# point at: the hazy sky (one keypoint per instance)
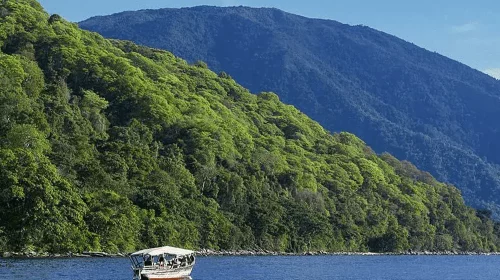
(465, 30)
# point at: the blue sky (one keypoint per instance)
(464, 30)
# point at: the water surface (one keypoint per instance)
(271, 268)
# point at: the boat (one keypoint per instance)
(162, 263)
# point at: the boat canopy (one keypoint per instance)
(163, 250)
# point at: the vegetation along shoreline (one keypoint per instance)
(245, 253)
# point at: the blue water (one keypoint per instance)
(271, 268)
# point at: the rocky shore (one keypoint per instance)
(209, 252)
(33, 254)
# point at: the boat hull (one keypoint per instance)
(167, 274)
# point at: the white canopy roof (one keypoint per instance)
(163, 250)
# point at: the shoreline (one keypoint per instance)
(208, 252)
(245, 253)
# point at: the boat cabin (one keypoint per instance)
(165, 262)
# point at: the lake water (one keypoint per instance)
(271, 268)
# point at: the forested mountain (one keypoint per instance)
(106, 145)
(418, 105)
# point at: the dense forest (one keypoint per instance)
(415, 104)
(106, 145)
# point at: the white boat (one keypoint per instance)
(162, 263)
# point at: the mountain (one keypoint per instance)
(418, 105)
(106, 145)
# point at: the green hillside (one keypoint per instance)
(417, 105)
(105, 145)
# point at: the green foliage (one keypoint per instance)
(106, 145)
(418, 105)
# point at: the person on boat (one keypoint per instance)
(149, 261)
(175, 263)
(161, 261)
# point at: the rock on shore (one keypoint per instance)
(209, 252)
(256, 252)
(33, 254)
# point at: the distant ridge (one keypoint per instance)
(418, 105)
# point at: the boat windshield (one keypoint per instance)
(137, 261)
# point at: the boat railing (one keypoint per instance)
(167, 266)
